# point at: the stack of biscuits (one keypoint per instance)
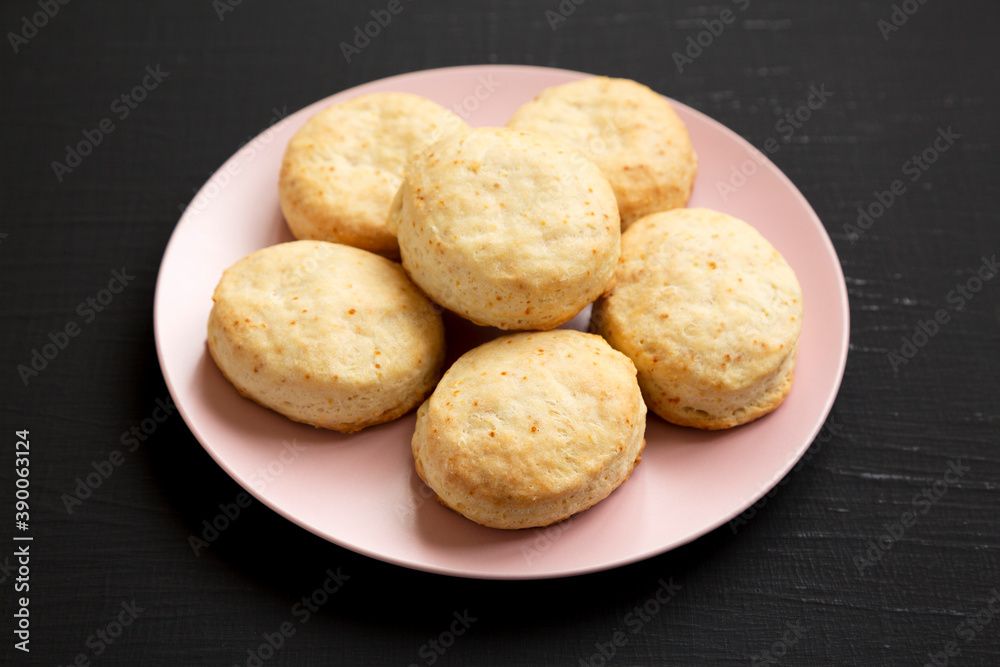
(400, 209)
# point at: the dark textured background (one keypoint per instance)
(792, 563)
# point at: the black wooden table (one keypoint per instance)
(881, 549)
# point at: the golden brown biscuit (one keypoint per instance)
(343, 167)
(507, 228)
(531, 428)
(631, 132)
(709, 312)
(325, 334)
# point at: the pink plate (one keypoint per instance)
(361, 491)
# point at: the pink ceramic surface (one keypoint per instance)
(361, 492)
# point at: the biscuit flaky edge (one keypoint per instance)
(515, 436)
(325, 334)
(693, 379)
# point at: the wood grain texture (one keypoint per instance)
(789, 572)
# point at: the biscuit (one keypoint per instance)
(531, 428)
(509, 229)
(709, 312)
(343, 167)
(631, 132)
(325, 334)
